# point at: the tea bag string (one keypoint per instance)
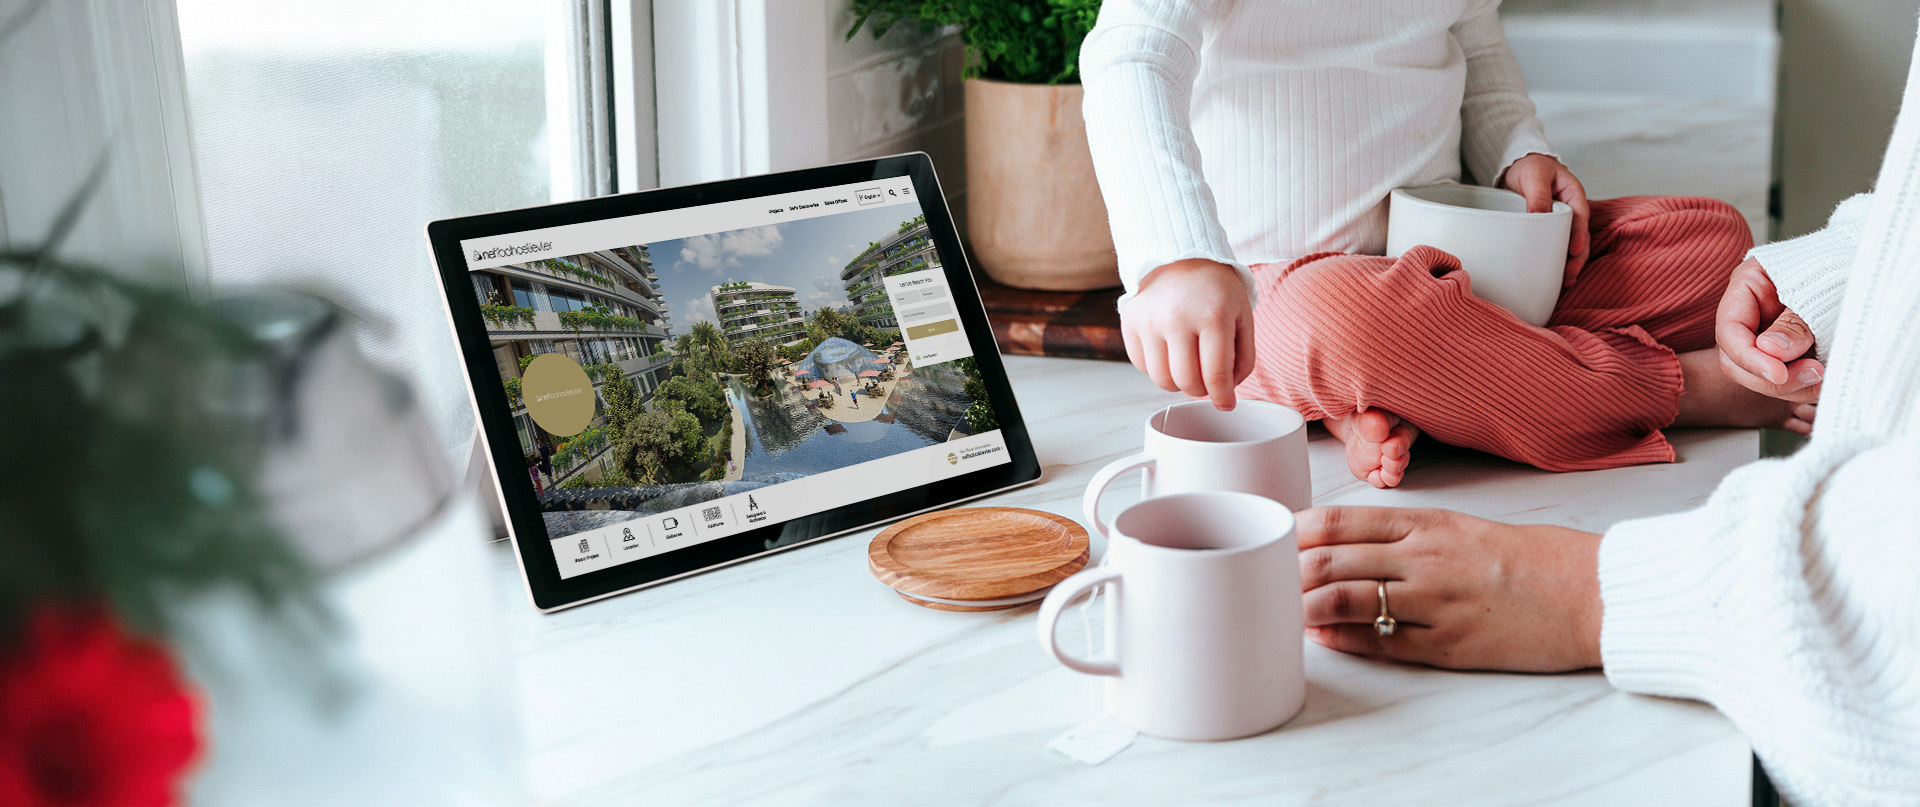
(1087, 605)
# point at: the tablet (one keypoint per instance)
(680, 379)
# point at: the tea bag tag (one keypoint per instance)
(1095, 741)
(1102, 738)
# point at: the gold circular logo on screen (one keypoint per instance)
(559, 395)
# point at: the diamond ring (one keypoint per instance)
(1384, 623)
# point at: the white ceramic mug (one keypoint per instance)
(1258, 448)
(1204, 620)
(1514, 258)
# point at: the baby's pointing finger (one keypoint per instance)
(1216, 367)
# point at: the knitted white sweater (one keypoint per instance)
(1791, 600)
(1264, 130)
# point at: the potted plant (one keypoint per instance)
(1035, 218)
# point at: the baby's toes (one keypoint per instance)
(1363, 458)
(1362, 469)
(1393, 470)
(1374, 426)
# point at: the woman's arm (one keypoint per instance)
(1788, 602)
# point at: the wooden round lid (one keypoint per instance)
(977, 554)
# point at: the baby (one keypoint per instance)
(1246, 149)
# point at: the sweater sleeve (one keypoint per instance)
(1810, 272)
(1138, 67)
(1497, 120)
(1788, 601)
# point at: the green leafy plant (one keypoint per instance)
(979, 417)
(598, 318)
(566, 268)
(706, 399)
(137, 424)
(757, 358)
(503, 315)
(580, 481)
(1025, 41)
(513, 392)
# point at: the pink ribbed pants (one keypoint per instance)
(1339, 333)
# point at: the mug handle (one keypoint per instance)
(1090, 504)
(1063, 595)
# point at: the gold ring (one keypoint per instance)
(1384, 623)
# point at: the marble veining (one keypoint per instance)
(798, 679)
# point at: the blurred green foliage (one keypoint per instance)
(1026, 41)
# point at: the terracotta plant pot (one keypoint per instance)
(1034, 213)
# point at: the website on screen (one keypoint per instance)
(682, 376)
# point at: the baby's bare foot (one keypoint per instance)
(1713, 399)
(1379, 445)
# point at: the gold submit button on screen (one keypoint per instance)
(933, 329)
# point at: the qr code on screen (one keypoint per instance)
(711, 514)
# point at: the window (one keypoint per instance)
(328, 132)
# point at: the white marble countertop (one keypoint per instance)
(799, 679)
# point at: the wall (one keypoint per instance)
(899, 93)
(772, 85)
(1844, 65)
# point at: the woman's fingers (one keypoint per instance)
(1804, 388)
(1788, 338)
(1326, 526)
(1325, 565)
(1806, 374)
(1755, 370)
(1412, 643)
(1749, 303)
(1358, 602)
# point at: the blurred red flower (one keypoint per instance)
(90, 715)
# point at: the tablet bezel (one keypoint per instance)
(527, 529)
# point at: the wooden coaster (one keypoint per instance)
(997, 556)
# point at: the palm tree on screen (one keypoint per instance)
(708, 339)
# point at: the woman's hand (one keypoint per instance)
(1190, 329)
(1467, 593)
(1764, 346)
(1543, 180)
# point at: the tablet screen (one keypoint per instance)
(681, 376)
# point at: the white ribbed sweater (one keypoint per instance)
(1264, 130)
(1791, 600)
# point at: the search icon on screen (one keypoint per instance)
(891, 193)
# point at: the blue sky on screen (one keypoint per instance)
(806, 255)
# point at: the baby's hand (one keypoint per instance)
(1543, 180)
(1190, 329)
